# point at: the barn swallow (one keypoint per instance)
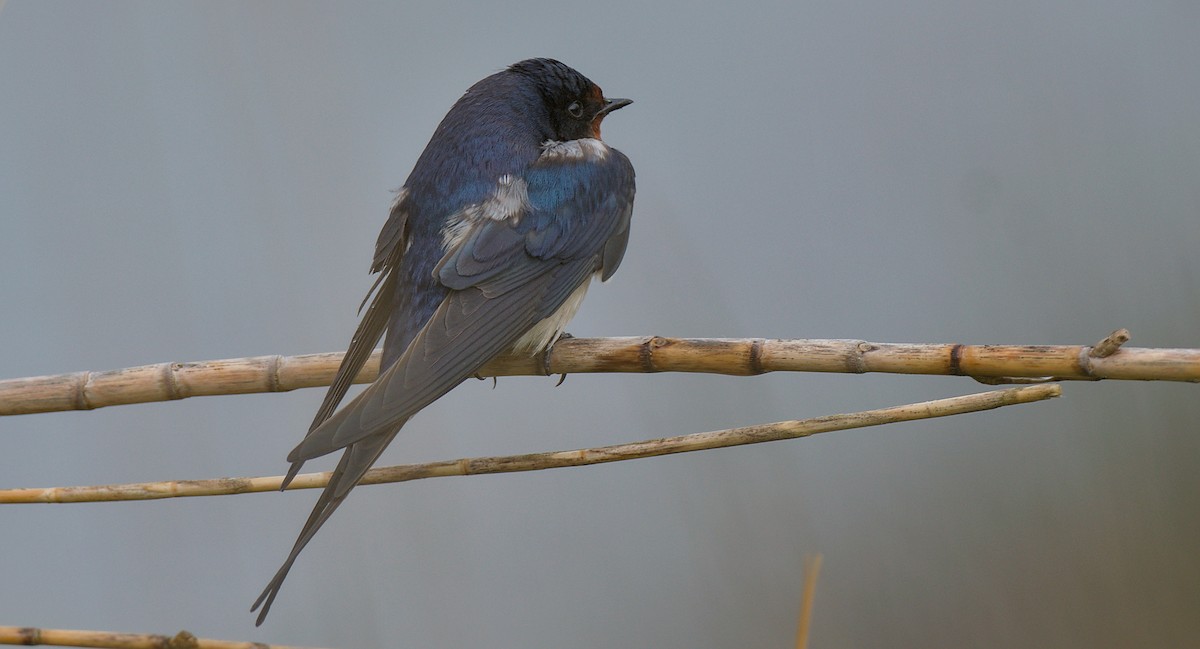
(512, 208)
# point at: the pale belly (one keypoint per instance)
(544, 333)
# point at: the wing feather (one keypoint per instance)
(371, 328)
(467, 327)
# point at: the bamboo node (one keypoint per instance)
(81, 398)
(756, 349)
(273, 366)
(646, 354)
(183, 640)
(956, 361)
(169, 380)
(30, 635)
(1085, 361)
(856, 363)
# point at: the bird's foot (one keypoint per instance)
(546, 358)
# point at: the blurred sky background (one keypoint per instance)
(187, 181)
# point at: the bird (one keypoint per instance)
(511, 210)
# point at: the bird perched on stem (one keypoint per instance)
(512, 208)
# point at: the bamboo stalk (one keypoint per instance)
(556, 459)
(29, 636)
(993, 364)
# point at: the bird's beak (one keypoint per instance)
(612, 104)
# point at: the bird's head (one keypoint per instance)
(574, 105)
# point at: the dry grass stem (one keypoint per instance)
(812, 568)
(30, 636)
(993, 364)
(536, 461)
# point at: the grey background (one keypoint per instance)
(190, 181)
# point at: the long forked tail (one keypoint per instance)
(356, 460)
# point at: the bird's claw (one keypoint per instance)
(546, 357)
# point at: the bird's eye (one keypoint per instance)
(575, 110)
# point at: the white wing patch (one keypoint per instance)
(508, 201)
(583, 149)
(455, 230)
